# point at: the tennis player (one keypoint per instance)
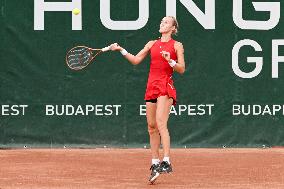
(167, 55)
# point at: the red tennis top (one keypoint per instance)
(160, 81)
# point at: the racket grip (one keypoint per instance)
(106, 49)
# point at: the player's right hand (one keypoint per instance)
(115, 47)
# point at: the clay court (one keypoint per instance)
(129, 168)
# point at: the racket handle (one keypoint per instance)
(106, 49)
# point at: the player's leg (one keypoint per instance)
(164, 104)
(154, 139)
(152, 129)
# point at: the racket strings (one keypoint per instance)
(79, 58)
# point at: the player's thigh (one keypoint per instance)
(151, 113)
(164, 104)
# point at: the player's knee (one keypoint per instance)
(161, 123)
(152, 128)
(163, 129)
(152, 131)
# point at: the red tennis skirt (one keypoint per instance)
(157, 88)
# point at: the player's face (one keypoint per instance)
(166, 25)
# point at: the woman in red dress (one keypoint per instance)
(167, 55)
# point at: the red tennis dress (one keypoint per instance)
(160, 82)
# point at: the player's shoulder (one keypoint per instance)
(178, 44)
(150, 43)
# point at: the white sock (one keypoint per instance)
(167, 159)
(155, 161)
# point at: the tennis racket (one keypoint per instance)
(80, 57)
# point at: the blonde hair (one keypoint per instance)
(175, 24)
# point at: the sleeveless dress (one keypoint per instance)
(160, 82)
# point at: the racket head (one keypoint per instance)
(80, 57)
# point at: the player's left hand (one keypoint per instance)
(166, 55)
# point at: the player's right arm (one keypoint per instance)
(133, 59)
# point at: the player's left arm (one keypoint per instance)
(180, 64)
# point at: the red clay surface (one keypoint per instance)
(129, 168)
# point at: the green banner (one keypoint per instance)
(231, 93)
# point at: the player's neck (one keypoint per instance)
(166, 37)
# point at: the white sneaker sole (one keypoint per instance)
(154, 178)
